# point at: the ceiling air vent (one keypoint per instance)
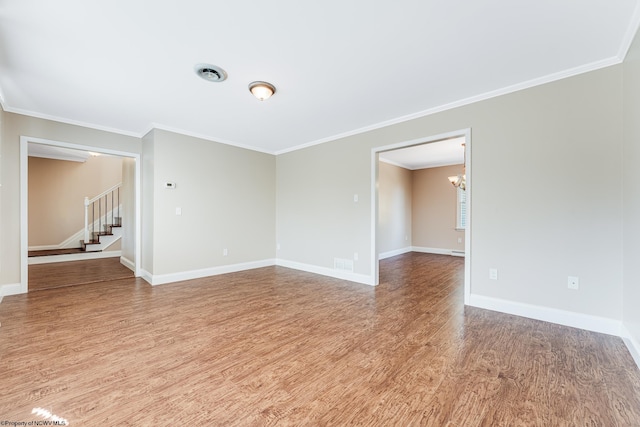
(210, 73)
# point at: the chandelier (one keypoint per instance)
(460, 181)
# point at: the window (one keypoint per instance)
(461, 214)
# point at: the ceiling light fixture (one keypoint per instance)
(262, 90)
(460, 180)
(210, 73)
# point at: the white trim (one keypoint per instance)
(148, 277)
(437, 251)
(24, 186)
(158, 126)
(373, 230)
(460, 103)
(561, 317)
(10, 289)
(411, 168)
(47, 247)
(392, 163)
(73, 241)
(437, 109)
(423, 250)
(127, 263)
(58, 119)
(389, 254)
(161, 279)
(467, 232)
(59, 157)
(104, 193)
(325, 271)
(74, 146)
(50, 259)
(632, 344)
(24, 217)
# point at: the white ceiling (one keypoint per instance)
(36, 149)
(340, 67)
(57, 153)
(434, 154)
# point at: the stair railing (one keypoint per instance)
(99, 209)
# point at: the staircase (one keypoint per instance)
(100, 240)
(102, 220)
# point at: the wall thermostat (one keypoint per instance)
(170, 185)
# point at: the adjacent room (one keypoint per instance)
(76, 202)
(289, 254)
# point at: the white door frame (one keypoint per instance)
(24, 196)
(466, 133)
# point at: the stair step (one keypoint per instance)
(84, 246)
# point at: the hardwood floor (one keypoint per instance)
(275, 346)
(60, 274)
(50, 252)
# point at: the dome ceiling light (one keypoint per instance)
(262, 90)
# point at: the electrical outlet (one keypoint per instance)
(225, 252)
(493, 273)
(573, 283)
(355, 256)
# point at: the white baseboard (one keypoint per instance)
(72, 257)
(389, 254)
(437, 251)
(632, 344)
(10, 289)
(128, 263)
(148, 277)
(561, 317)
(161, 279)
(71, 242)
(325, 271)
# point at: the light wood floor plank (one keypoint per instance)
(275, 346)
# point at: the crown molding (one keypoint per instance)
(482, 97)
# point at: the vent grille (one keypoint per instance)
(210, 73)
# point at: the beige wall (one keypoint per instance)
(435, 209)
(14, 126)
(631, 186)
(57, 189)
(317, 218)
(394, 208)
(227, 197)
(561, 217)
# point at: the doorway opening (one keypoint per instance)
(458, 139)
(131, 234)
